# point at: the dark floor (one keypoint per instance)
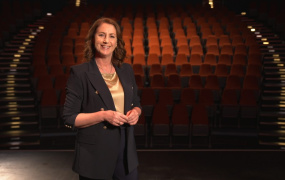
(154, 165)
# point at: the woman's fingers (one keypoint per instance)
(133, 117)
(118, 119)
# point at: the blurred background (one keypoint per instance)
(210, 72)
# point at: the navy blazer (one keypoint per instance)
(97, 146)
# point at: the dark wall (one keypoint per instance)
(53, 5)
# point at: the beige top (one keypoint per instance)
(116, 89)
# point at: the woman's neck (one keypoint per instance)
(105, 66)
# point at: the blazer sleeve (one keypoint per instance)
(136, 98)
(73, 100)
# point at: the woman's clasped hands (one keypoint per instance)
(117, 119)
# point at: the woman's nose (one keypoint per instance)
(105, 40)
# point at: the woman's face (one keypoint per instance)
(105, 40)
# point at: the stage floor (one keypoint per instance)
(154, 165)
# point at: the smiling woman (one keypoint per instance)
(105, 40)
(103, 106)
(119, 52)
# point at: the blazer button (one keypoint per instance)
(132, 104)
(96, 92)
(104, 127)
(102, 109)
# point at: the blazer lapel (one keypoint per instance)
(123, 76)
(99, 84)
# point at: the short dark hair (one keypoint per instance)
(119, 53)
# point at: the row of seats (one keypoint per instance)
(198, 82)
(195, 115)
(237, 78)
(186, 30)
(225, 66)
(196, 59)
(64, 39)
(195, 49)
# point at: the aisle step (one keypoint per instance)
(19, 139)
(19, 114)
(272, 110)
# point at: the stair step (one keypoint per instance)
(15, 64)
(16, 55)
(273, 85)
(2, 86)
(272, 122)
(273, 44)
(15, 69)
(13, 81)
(11, 89)
(33, 116)
(18, 114)
(273, 92)
(273, 58)
(22, 91)
(17, 107)
(273, 133)
(276, 79)
(271, 125)
(17, 100)
(15, 94)
(23, 125)
(272, 51)
(19, 41)
(274, 73)
(14, 74)
(19, 139)
(270, 108)
(273, 65)
(19, 46)
(15, 59)
(273, 98)
(12, 77)
(272, 114)
(19, 133)
(272, 143)
(16, 145)
(29, 38)
(268, 35)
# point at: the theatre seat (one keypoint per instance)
(229, 109)
(248, 109)
(200, 128)
(141, 132)
(180, 126)
(160, 127)
(148, 100)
